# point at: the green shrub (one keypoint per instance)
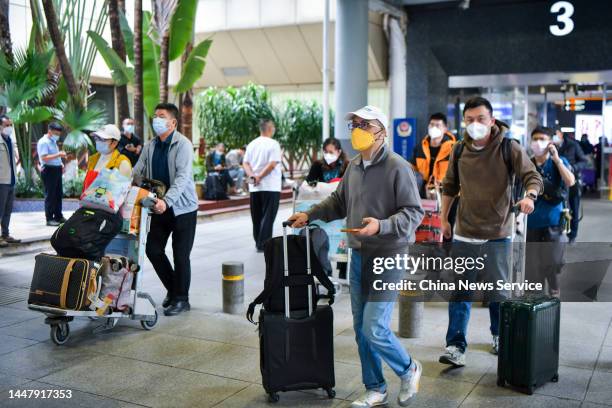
(74, 187)
(34, 190)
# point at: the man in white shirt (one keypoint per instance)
(262, 164)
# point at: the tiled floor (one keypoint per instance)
(206, 358)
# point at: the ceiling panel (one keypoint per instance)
(224, 50)
(263, 62)
(290, 47)
(212, 75)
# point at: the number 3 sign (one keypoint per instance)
(565, 24)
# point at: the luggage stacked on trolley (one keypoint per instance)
(98, 269)
(329, 241)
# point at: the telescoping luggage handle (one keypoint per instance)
(286, 267)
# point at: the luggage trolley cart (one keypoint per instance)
(143, 307)
(304, 197)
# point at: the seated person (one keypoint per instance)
(107, 140)
(215, 163)
(233, 162)
(332, 166)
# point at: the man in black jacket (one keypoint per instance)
(571, 150)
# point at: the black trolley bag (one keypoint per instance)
(64, 283)
(86, 234)
(295, 334)
(529, 342)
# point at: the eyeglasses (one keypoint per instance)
(361, 125)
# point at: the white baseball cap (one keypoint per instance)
(369, 113)
(108, 132)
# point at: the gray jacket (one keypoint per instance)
(6, 163)
(385, 190)
(181, 195)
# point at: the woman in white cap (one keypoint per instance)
(107, 139)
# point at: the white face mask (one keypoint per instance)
(539, 147)
(7, 131)
(477, 131)
(330, 158)
(557, 140)
(434, 132)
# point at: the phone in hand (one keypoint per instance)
(350, 230)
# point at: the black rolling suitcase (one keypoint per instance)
(529, 342)
(296, 347)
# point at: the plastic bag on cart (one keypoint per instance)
(307, 196)
(117, 280)
(107, 192)
(131, 209)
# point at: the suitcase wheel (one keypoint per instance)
(273, 397)
(555, 378)
(500, 382)
(60, 333)
(331, 393)
(150, 324)
(529, 390)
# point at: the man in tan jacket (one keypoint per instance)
(482, 169)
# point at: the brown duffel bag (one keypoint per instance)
(65, 283)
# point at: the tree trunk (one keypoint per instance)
(60, 52)
(163, 67)
(186, 101)
(121, 95)
(5, 32)
(138, 101)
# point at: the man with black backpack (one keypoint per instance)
(545, 223)
(485, 169)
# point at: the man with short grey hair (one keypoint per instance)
(262, 164)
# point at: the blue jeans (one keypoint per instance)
(459, 312)
(375, 340)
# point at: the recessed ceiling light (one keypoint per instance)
(236, 71)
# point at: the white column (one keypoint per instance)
(326, 71)
(397, 71)
(351, 59)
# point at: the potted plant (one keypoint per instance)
(199, 176)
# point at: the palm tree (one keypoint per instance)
(58, 43)
(163, 11)
(25, 85)
(138, 100)
(5, 32)
(121, 94)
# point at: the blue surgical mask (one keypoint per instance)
(160, 126)
(55, 138)
(103, 147)
(129, 129)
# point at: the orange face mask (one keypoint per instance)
(361, 139)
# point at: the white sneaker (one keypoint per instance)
(370, 398)
(453, 356)
(410, 386)
(495, 345)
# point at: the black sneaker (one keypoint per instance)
(53, 223)
(10, 240)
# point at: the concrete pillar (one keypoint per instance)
(410, 315)
(351, 64)
(233, 287)
(397, 69)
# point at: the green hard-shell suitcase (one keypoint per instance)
(529, 342)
